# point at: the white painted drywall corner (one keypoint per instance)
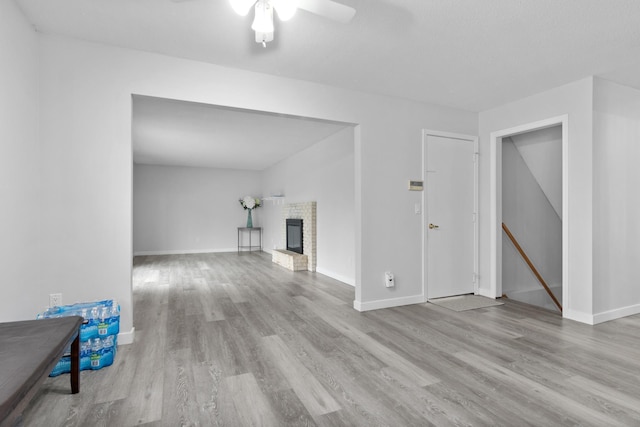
(23, 293)
(616, 203)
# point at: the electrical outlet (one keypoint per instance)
(55, 300)
(389, 279)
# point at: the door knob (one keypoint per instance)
(432, 226)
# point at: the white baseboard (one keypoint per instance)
(388, 303)
(577, 316)
(605, 316)
(339, 277)
(184, 251)
(125, 338)
(486, 293)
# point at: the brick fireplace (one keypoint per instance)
(291, 260)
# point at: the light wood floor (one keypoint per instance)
(234, 340)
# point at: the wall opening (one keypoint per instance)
(554, 202)
(532, 217)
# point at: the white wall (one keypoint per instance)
(85, 167)
(323, 173)
(86, 138)
(616, 200)
(190, 210)
(576, 101)
(23, 297)
(541, 150)
(527, 212)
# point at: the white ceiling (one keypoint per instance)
(169, 132)
(469, 54)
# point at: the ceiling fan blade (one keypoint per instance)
(328, 9)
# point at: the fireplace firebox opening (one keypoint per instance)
(294, 235)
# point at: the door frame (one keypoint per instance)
(495, 198)
(471, 138)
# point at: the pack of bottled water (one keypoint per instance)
(98, 333)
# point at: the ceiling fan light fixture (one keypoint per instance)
(264, 38)
(242, 7)
(263, 21)
(285, 8)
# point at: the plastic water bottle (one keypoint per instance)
(108, 342)
(103, 325)
(91, 328)
(114, 322)
(115, 309)
(96, 353)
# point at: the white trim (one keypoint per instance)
(495, 209)
(125, 338)
(388, 303)
(476, 209)
(602, 317)
(476, 226)
(617, 313)
(486, 293)
(186, 251)
(565, 213)
(339, 277)
(578, 316)
(423, 217)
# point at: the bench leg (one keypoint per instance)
(75, 365)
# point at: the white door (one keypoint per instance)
(450, 215)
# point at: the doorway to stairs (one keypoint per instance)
(530, 202)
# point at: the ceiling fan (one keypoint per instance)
(285, 9)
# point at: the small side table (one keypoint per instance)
(242, 230)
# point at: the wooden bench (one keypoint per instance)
(29, 350)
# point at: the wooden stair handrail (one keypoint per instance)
(530, 264)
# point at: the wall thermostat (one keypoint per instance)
(416, 185)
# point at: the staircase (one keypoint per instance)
(532, 209)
